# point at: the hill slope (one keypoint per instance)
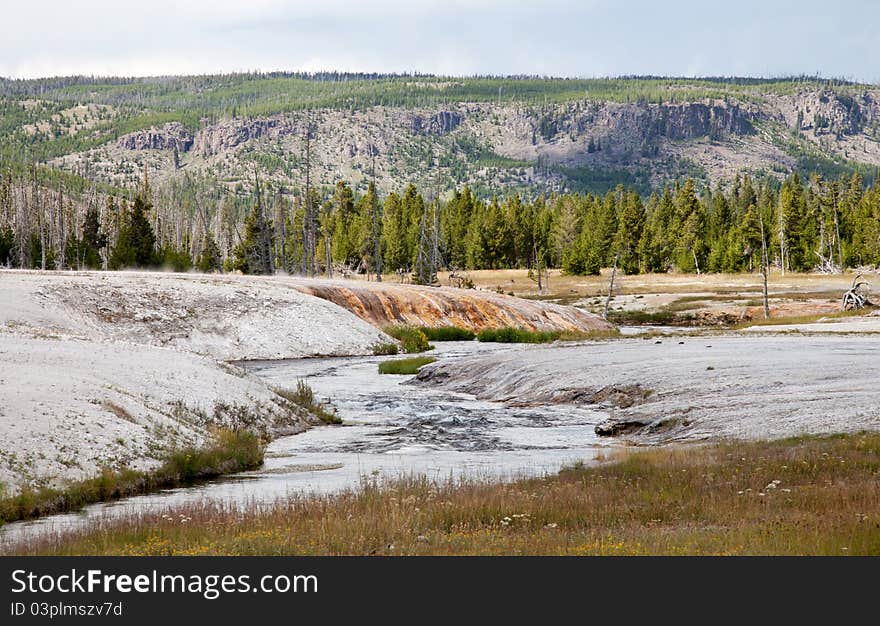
(549, 134)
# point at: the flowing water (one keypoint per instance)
(390, 429)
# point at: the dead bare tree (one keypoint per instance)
(462, 281)
(856, 297)
(611, 286)
(764, 268)
(539, 273)
(377, 248)
(309, 230)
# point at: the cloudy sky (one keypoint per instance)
(548, 37)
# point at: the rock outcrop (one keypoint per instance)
(226, 135)
(497, 147)
(440, 123)
(168, 137)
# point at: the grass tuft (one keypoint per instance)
(404, 366)
(384, 349)
(304, 397)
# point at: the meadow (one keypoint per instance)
(802, 496)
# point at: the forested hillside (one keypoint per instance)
(310, 173)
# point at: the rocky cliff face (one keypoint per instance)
(440, 123)
(227, 135)
(494, 147)
(826, 112)
(676, 122)
(168, 137)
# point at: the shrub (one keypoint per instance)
(384, 349)
(404, 366)
(448, 333)
(412, 338)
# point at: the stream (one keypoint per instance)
(390, 429)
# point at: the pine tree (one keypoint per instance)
(7, 245)
(687, 229)
(93, 241)
(209, 257)
(345, 228)
(136, 243)
(455, 220)
(629, 233)
(567, 235)
(792, 212)
(254, 254)
(394, 234)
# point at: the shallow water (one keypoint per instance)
(390, 429)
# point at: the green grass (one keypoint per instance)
(304, 397)
(411, 338)
(230, 452)
(448, 333)
(800, 496)
(385, 349)
(404, 366)
(589, 335)
(638, 318)
(517, 335)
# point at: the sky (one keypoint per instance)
(451, 37)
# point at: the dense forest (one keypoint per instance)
(804, 224)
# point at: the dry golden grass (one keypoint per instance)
(561, 285)
(806, 319)
(799, 496)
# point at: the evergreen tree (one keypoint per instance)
(395, 235)
(366, 223)
(254, 254)
(629, 233)
(567, 235)
(209, 257)
(687, 230)
(92, 242)
(7, 245)
(136, 242)
(412, 212)
(346, 231)
(793, 224)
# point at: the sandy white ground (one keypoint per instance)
(700, 387)
(117, 368)
(71, 406)
(225, 317)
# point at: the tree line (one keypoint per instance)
(803, 224)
